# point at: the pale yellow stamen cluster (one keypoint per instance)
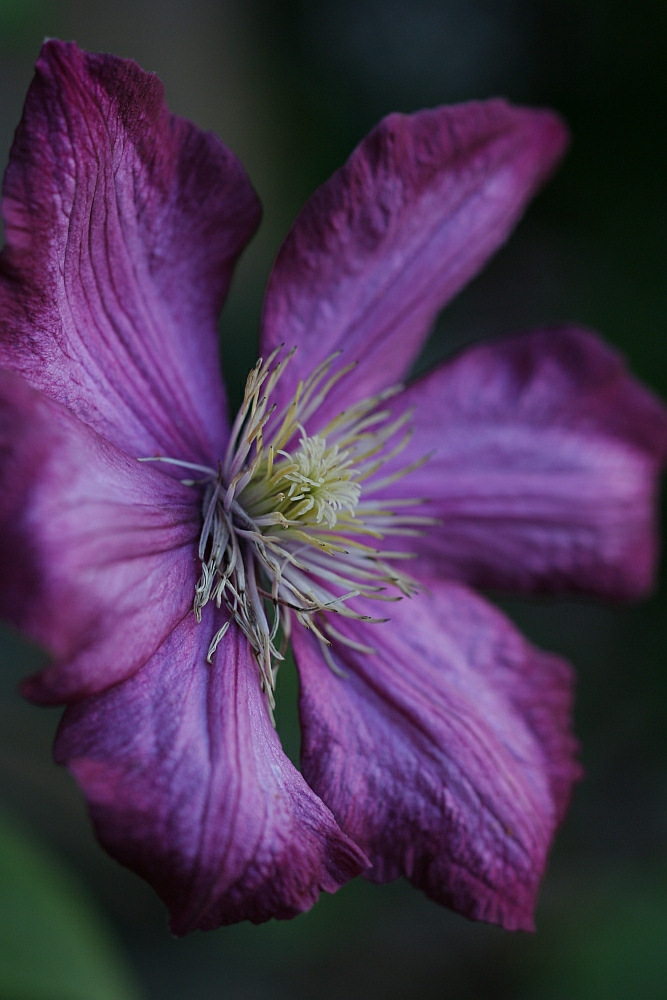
(323, 483)
(289, 523)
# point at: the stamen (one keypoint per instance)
(216, 640)
(283, 523)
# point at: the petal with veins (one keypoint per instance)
(188, 785)
(123, 224)
(392, 236)
(98, 561)
(545, 454)
(447, 754)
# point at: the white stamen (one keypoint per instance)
(216, 640)
(282, 522)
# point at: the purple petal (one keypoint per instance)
(447, 755)
(123, 224)
(188, 785)
(97, 552)
(414, 214)
(546, 456)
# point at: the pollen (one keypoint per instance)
(291, 524)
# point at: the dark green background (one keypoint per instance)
(291, 87)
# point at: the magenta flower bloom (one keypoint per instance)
(165, 559)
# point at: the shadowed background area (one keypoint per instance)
(291, 86)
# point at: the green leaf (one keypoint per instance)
(54, 945)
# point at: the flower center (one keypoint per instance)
(309, 486)
(290, 523)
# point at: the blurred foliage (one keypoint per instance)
(609, 945)
(20, 20)
(53, 943)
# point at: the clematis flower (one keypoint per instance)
(165, 558)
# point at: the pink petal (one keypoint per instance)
(188, 785)
(447, 755)
(545, 458)
(123, 224)
(414, 214)
(97, 553)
